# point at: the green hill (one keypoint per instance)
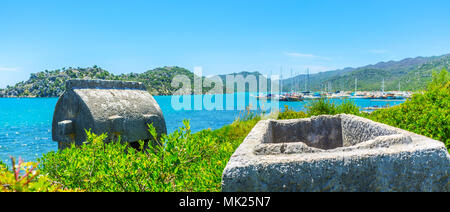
(411, 73)
(52, 83)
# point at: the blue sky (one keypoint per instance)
(220, 36)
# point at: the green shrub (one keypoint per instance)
(321, 106)
(425, 113)
(2, 164)
(348, 107)
(237, 131)
(291, 114)
(325, 106)
(25, 178)
(182, 162)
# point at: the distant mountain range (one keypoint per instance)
(408, 74)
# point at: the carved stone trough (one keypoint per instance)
(336, 153)
(115, 107)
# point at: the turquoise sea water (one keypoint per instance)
(25, 123)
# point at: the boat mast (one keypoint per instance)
(309, 85)
(295, 82)
(306, 80)
(292, 82)
(269, 87)
(356, 84)
(329, 86)
(382, 86)
(281, 79)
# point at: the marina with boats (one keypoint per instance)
(375, 96)
(374, 100)
(300, 96)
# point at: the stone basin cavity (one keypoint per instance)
(336, 153)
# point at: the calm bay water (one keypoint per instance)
(25, 123)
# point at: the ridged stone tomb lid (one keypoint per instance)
(118, 108)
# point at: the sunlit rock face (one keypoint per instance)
(336, 153)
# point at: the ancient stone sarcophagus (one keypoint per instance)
(336, 153)
(115, 107)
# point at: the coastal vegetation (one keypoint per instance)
(426, 113)
(185, 161)
(52, 83)
(24, 177)
(181, 162)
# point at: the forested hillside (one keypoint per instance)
(52, 83)
(410, 74)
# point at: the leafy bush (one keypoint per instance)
(425, 113)
(181, 162)
(291, 114)
(348, 107)
(235, 133)
(321, 106)
(25, 178)
(2, 164)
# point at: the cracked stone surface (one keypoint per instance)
(336, 153)
(115, 107)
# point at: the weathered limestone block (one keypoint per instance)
(115, 107)
(336, 153)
